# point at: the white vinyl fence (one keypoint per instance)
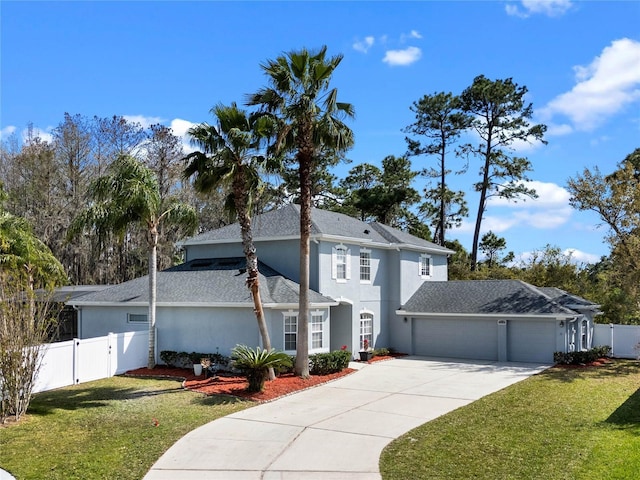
(624, 340)
(78, 361)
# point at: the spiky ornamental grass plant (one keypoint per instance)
(255, 364)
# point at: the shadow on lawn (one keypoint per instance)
(87, 396)
(627, 415)
(571, 373)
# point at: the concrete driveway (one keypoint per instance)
(337, 430)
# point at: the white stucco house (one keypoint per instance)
(367, 280)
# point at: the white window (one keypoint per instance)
(366, 329)
(425, 266)
(137, 318)
(341, 264)
(365, 265)
(290, 330)
(317, 330)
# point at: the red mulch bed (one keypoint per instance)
(226, 384)
(598, 363)
(391, 356)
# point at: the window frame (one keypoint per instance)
(366, 327)
(343, 253)
(313, 325)
(140, 315)
(365, 267)
(425, 260)
(286, 342)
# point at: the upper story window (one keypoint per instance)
(341, 265)
(425, 265)
(365, 265)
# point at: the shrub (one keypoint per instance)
(381, 352)
(583, 357)
(254, 364)
(169, 357)
(184, 359)
(326, 363)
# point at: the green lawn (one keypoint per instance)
(105, 429)
(561, 424)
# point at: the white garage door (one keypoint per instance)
(531, 341)
(455, 337)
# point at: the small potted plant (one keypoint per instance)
(366, 352)
(197, 366)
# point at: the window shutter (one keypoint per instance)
(348, 262)
(334, 263)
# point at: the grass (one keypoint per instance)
(105, 429)
(577, 424)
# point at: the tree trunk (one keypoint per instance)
(153, 267)
(440, 238)
(253, 281)
(481, 205)
(305, 157)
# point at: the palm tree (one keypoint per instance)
(231, 157)
(310, 119)
(128, 194)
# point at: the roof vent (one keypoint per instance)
(366, 232)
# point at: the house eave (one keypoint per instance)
(542, 316)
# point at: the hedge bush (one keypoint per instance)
(583, 357)
(331, 362)
(185, 359)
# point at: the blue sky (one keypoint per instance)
(170, 62)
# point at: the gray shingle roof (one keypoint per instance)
(567, 299)
(483, 297)
(204, 281)
(285, 223)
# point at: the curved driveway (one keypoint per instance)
(336, 430)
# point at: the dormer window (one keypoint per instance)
(341, 268)
(425, 265)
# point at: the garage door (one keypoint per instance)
(455, 337)
(530, 341)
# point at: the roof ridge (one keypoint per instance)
(540, 292)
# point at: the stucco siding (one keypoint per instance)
(207, 330)
(100, 321)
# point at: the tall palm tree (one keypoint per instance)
(311, 119)
(128, 194)
(231, 157)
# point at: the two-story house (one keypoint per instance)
(367, 280)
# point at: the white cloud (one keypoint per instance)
(402, 57)
(179, 128)
(364, 45)
(37, 132)
(554, 130)
(411, 34)
(605, 87)
(143, 120)
(580, 256)
(7, 131)
(550, 8)
(550, 195)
